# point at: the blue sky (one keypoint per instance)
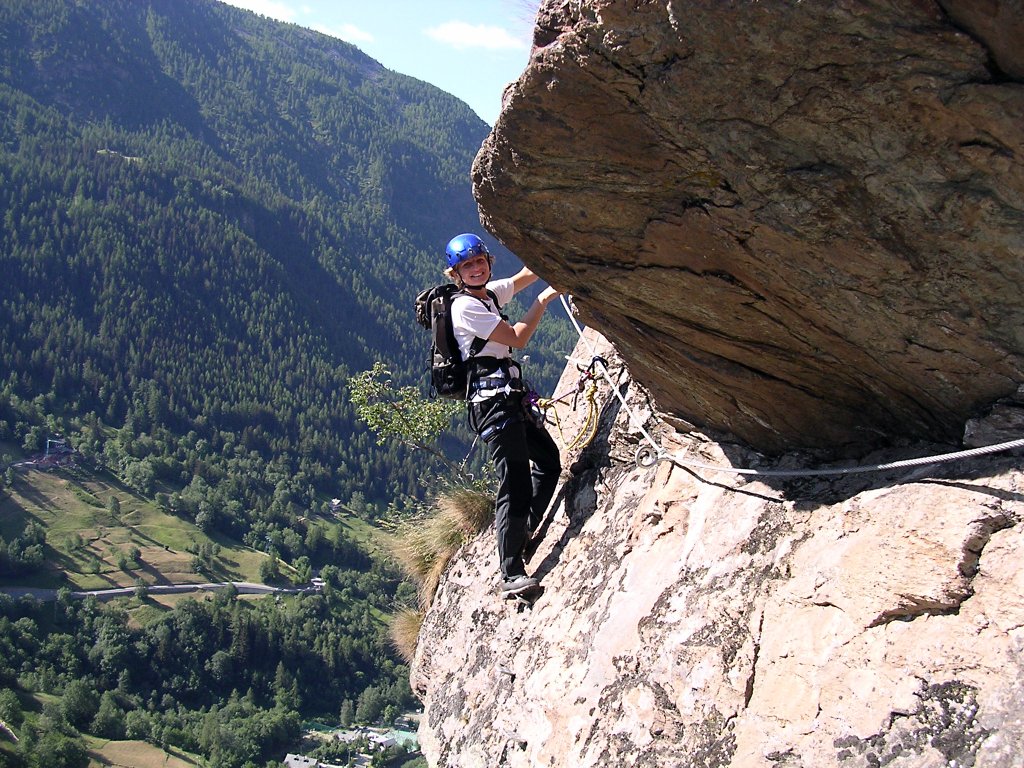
(469, 48)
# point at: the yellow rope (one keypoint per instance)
(546, 404)
(589, 429)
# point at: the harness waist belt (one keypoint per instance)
(513, 384)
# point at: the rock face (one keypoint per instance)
(801, 223)
(700, 618)
(999, 26)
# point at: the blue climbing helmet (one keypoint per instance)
(465, 246)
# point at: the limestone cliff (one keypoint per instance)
(700, 618)
(799, 223)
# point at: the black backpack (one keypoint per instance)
(449, 373)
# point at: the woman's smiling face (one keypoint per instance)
(474, 270)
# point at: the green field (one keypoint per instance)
(90, 541)
(136, 754)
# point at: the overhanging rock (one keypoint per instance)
(801, 223)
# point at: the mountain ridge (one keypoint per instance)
(235, 220)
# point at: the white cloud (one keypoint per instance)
(272, 8)
(350, 33)
(459, 34)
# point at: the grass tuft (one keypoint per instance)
(405, 632)
(471, 509)
(424, 545)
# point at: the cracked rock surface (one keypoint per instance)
(693, 618)
(799, 222)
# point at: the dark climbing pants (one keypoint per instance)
(524, 492)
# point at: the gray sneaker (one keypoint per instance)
(519, 585)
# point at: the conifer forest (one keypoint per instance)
(209, 222)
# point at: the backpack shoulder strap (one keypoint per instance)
(478, 344)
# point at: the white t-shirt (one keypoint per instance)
(473, 317)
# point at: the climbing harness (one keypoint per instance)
(649, 455)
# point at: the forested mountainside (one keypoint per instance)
(208, 222)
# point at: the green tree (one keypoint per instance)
(370, 705)
(270, 570)
(138, 724)
(56, 750)
(79, 703)
(347, 714)
(109, 720)
(303, 570)
(10, 707)
(140, 475)
(33, 440)
(401, 413)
